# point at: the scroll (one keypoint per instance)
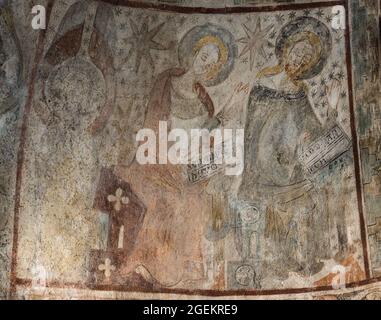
(325, 149)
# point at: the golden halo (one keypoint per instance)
(222, 52)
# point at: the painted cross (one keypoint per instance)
(118, 199)
(375, 229)
(107, 267)
(126, 211)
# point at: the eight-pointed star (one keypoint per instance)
(142, 42)
(255, 41)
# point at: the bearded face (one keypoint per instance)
(298, 58)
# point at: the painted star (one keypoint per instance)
(142, 42)
(118, 11)
(279, 18)
(259, 65)
(335, 65)
(57, 15)
(292, 15)
(319, 13)
(255, 42)
(328, 18)
(182, 20)
(272, 35)
(341, 75)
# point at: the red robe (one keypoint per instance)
(169, 244)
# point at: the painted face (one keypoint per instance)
(205, 59)
(300, 56)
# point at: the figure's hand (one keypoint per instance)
(241, 91)
(226, 114)
(333, 93)
(288, 193)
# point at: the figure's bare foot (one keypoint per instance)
(142, 271)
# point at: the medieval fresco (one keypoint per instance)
(88, 219)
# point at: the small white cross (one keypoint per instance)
(118, 199)
(107, 267)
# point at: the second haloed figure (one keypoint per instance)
(280, 124)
